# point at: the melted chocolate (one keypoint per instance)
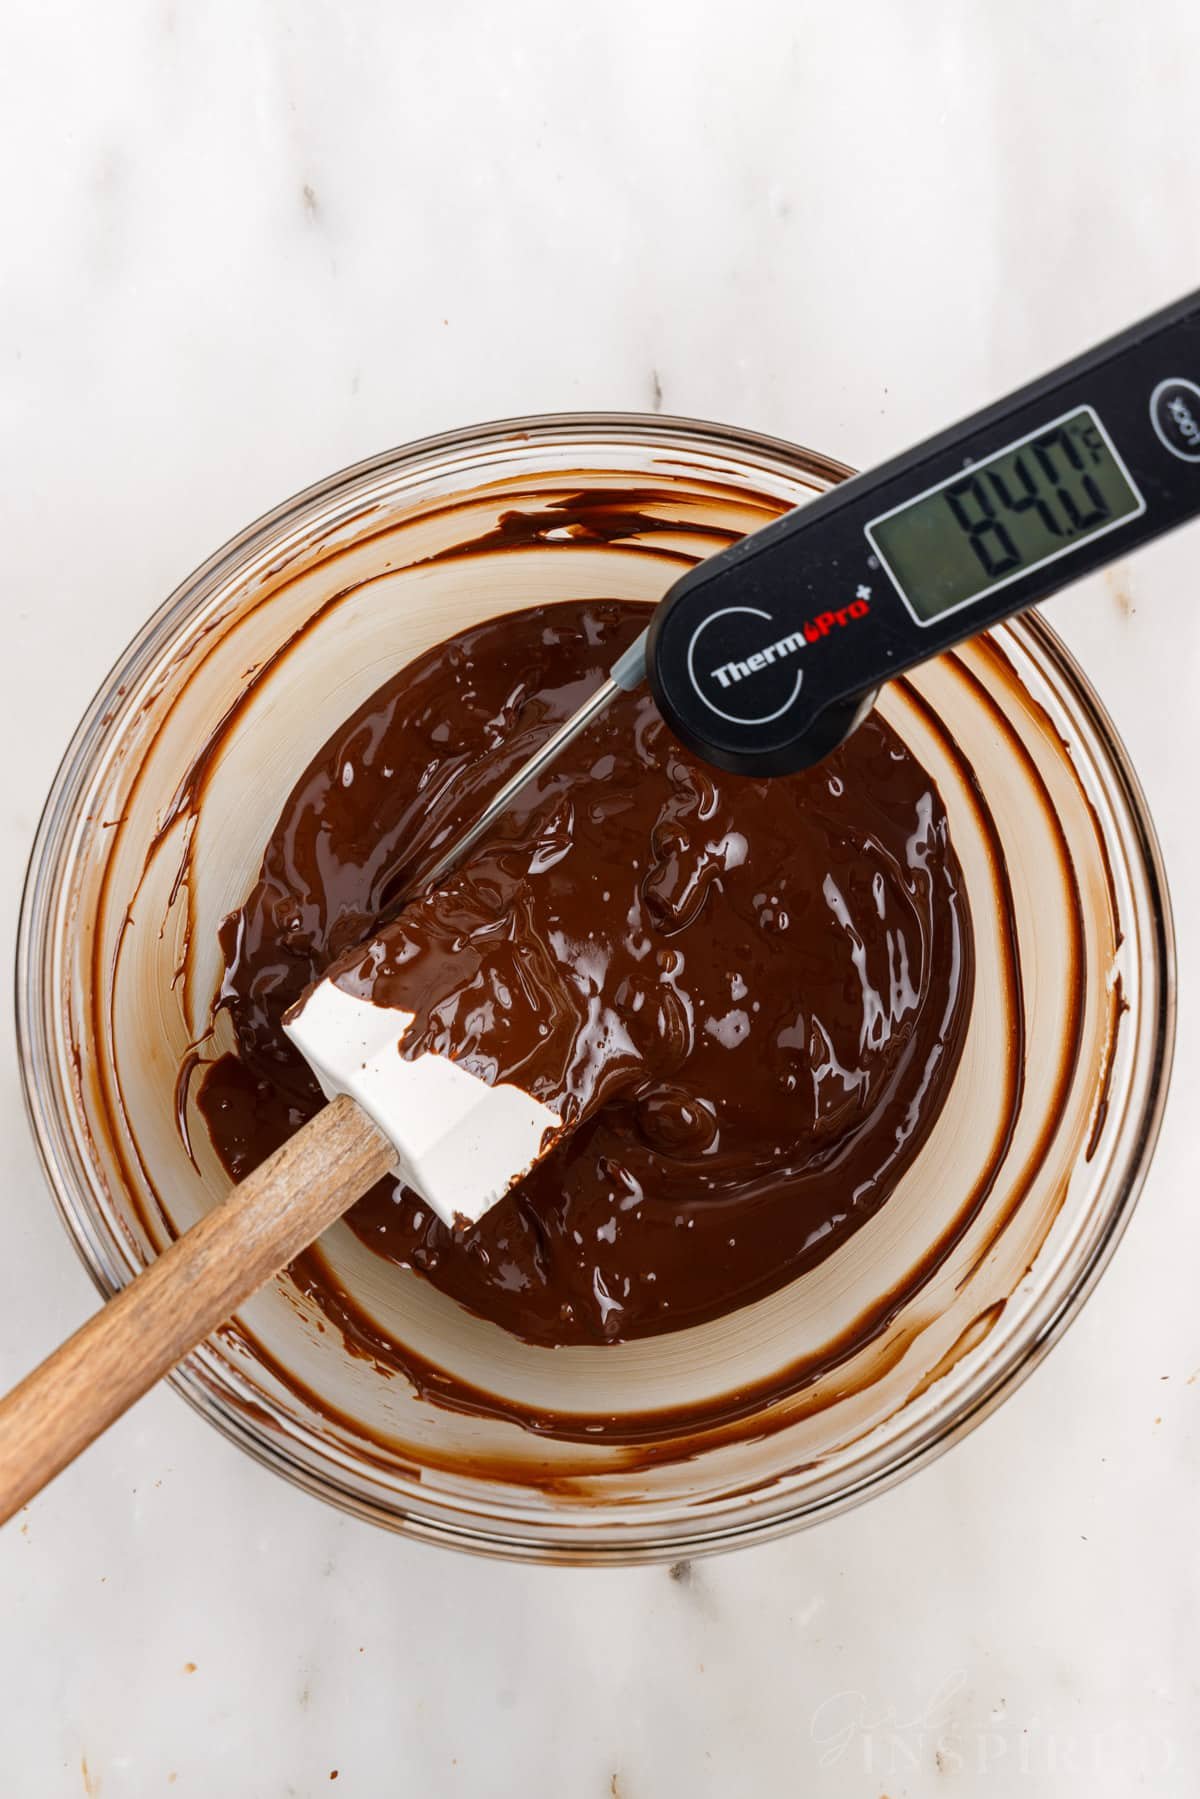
(748, 998)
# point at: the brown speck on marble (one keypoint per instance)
(189, 1667)
(656, 389)
(333, 1773)
(1124, 599)
(91, 1782)
(682, 1572)
(308, 199)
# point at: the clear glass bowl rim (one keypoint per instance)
(93, 1238)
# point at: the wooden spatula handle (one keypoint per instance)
(175, 1303)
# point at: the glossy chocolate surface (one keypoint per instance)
(747, 998)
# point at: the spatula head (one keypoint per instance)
(459, 1142)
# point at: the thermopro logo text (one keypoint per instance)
(774, 696)
(811, 631)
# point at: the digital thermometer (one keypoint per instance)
(764, 658)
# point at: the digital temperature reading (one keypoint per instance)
(1035, 500)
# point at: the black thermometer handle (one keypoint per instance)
(764, 657)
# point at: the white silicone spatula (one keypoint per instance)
(460, 1142)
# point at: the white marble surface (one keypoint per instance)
(246, 242)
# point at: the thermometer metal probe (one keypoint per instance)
(765, 657)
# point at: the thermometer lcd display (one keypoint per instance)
(1035, 500)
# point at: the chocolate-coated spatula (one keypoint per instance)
(762, 659)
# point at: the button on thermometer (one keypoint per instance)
(765, 657)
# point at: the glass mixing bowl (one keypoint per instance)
(798, 1405)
